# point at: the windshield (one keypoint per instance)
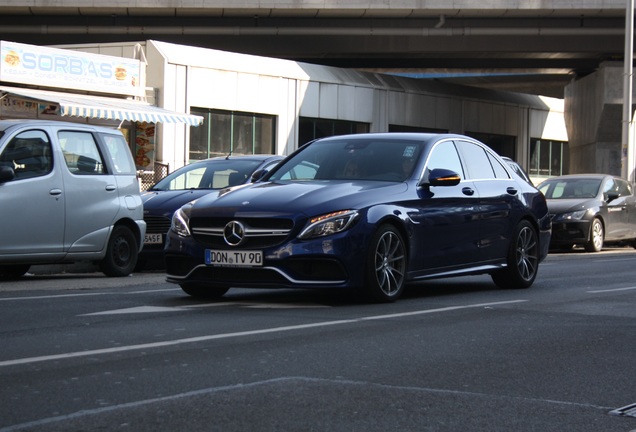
(217, 174)
(355, 159)
(570, 188)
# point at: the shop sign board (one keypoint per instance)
(68, 69)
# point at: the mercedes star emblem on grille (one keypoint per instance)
(234, 233)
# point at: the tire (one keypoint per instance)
(595, 243)
(385, 267)
(16, 271)
(202, 291)
(522, 259)
(121, 253)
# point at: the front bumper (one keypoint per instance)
(335, 261)
(570, 233)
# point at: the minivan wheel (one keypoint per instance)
(203, 291)
(386, 265)
(522, 259)
(8, 272)
(121, 253)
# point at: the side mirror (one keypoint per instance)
(443, 177)
(6, 174)
(611, 196)
(257, 175)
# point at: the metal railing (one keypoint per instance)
(148, 178)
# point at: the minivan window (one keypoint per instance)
(81, 153)
(29, 154)
(118, 151)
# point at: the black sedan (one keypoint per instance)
(369, 212)
(590, 210)
(189, 183)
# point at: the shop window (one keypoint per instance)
(312, 128)
(549, 158)
(225, 132)
(503, 145)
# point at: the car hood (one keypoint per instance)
(559, 206)
(310, 198)
(159, 201)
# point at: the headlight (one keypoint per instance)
(328, 224)
(180, 220)
(577, 215)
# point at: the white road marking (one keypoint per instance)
(138, 309)
(154, 309)
(84, 294)
(613, 289)
(196, 339)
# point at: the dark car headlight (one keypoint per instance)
(180, 219)
(570, 216)
(328, 224)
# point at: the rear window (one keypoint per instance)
(119, 153)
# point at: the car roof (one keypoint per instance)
(582, 176)
(254, 157)
(415, 136)
(7, 124)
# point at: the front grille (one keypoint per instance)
(259, 232)
(157, 224)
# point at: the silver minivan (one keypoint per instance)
(68, 192)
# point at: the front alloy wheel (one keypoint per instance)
(522, 260)
(595, 243)
(386, 265)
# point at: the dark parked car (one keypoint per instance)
(590, 210)
(189, 183)
(370, 212)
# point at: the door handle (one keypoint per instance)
(511, 190)
(110, 188)
(468, 191)
(55, 192)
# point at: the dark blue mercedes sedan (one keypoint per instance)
(370, 212)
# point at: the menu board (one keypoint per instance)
(144, 145)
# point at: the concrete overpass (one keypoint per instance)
(526, 46)
(571, 49)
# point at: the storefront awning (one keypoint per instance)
(74, 105)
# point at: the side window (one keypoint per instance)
(624, 188)
(444, 155)
(119, 154)
(303, 171)
(610, 186)
(500, 171)
(29, 154)
(477, 162)
(81, 153)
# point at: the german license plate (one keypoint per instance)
(244, 258)
(153, 239)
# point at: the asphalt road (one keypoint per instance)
(84, 352)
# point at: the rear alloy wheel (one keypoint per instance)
(203, 291)
(386, 265)
(522, 260)
(597, 234)
(8, 272)
(121, 253)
